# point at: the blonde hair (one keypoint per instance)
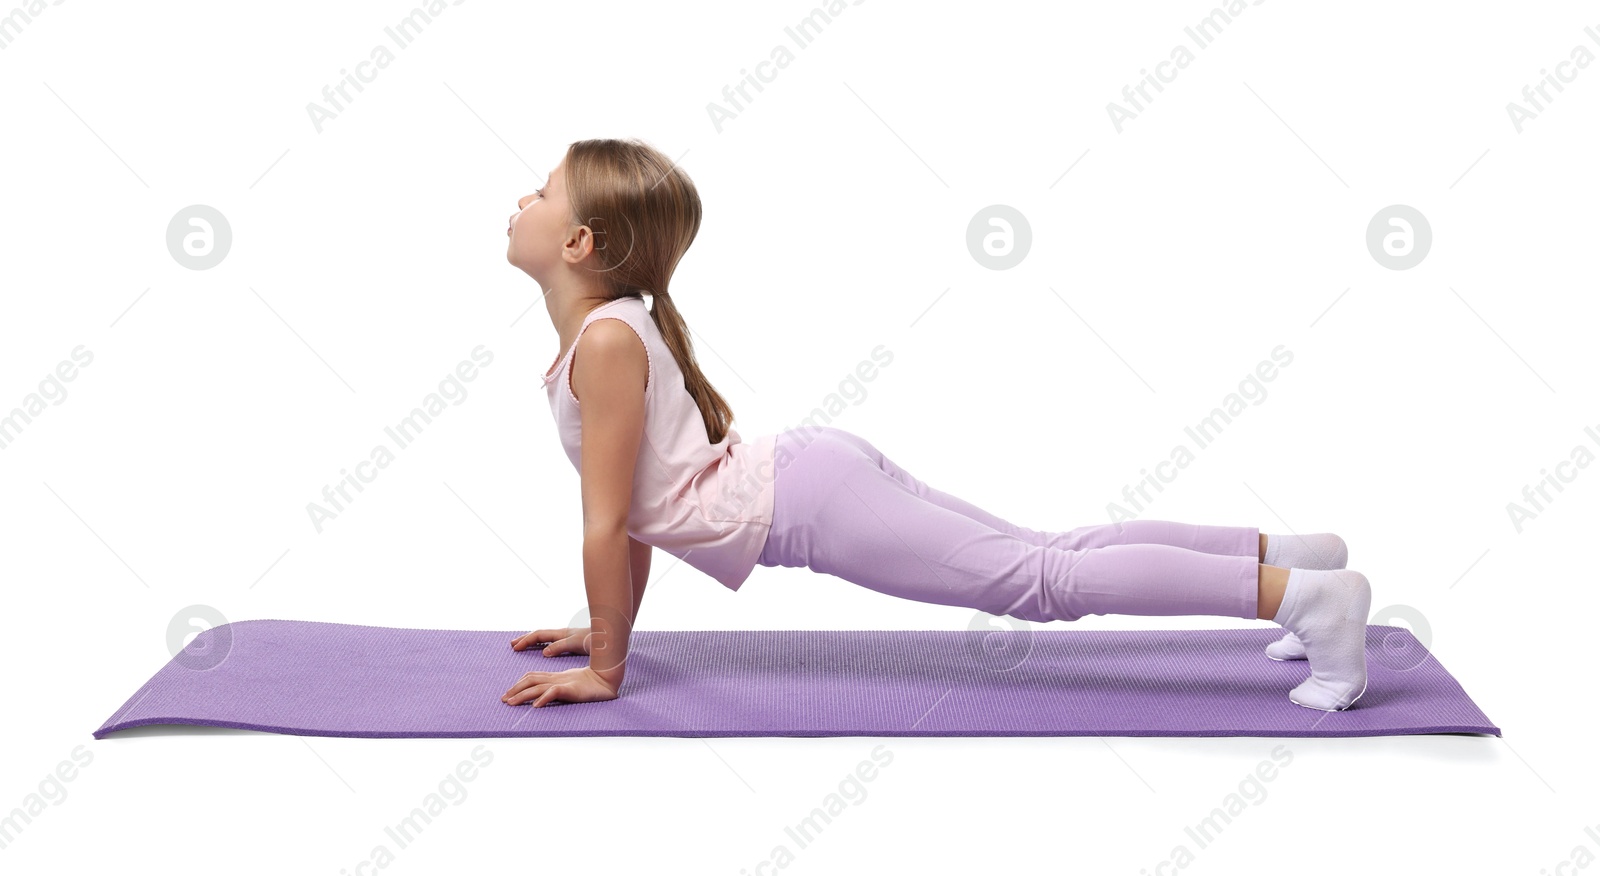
(644, 212)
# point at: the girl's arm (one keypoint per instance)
(639, 566)
(610, 387)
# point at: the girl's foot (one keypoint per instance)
(1319, 550)
(1287, 648)
(1327, 611)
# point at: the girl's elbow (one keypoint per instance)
(606, 529)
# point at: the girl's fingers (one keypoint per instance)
(567, 645)
(526, 694)
(528, 680)
(528, 640)
(541, 693)
(551, 692)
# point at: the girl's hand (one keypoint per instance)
(572, 640)
(580, 685)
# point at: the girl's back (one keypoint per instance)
(707, 504)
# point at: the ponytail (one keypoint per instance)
(649, 211)
(714, 409)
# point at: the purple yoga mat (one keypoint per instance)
(327, 679)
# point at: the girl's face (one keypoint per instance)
(539, 229)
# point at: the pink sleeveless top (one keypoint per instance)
(708, 504)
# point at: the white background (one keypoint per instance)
(368, 260)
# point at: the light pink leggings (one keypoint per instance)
(842, 508)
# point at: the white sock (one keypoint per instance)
(1287, 648)
(1327, 611)
(1317, 550)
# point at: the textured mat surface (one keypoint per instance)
(325, 679)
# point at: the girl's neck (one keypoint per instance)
(567, 313)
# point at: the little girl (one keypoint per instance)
(661, 466)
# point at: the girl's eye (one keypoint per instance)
(539, 192)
